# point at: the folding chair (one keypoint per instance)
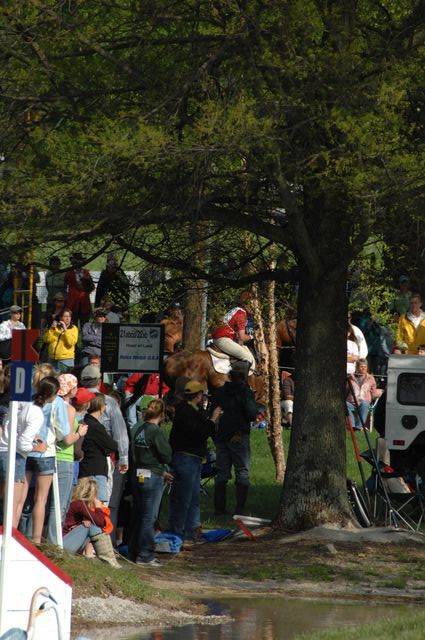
(403, 497)
(208, 471)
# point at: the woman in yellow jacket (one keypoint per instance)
(411, 326)
(61, 338)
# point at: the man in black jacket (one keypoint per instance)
(239, 409)
(191, 429)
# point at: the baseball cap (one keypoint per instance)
(83, 395)
(15, 309)
(90, 372)
(193, 386)
(100, 311)
(59, 296)
(404, 279)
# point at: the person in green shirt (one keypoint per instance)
(152, 457)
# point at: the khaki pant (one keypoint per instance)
(239, 351)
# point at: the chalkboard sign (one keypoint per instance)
(132, 347)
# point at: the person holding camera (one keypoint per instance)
(192, 426)
(61, 339)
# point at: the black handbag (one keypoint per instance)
(6, 349)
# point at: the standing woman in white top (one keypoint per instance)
(30, 421)
(55, 428)
(353, 352)
(6, 328)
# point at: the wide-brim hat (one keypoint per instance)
(67, 382)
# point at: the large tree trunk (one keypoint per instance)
(274, 425)
(314, 490)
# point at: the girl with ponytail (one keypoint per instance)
(30, 421)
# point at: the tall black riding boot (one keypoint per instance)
(220, 498)
(241, 496)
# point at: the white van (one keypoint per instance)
(405, 409)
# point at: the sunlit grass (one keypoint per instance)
(409, 626)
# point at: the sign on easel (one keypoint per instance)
(132, 347)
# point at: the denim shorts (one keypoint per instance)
(19, 467)
(42, 466)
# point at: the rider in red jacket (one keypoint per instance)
(230, 334)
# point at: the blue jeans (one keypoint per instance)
(102, 488)
(65, 471)
(185, 516)
(77, 538)
(62, 366)
(118, 485)
(131, 412)
(363, 412)
(148, 496)
(236, 454)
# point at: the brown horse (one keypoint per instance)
(198, 365)
(286, 337)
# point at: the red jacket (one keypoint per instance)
(79, 511)
(234, 320)
(152, 387)
(78, 299)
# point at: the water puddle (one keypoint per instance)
(275, 619)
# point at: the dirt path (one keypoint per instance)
(375, 564)
(354, 564)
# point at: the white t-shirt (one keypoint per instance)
(7, 327)
(352, 350)
(361, 341)
(30, 421)
(415, 320)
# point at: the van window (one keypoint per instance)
(411, 389)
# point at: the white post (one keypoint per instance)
(5, 565)
(57, 505)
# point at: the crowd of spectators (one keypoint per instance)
(370, 342)
(103, 437)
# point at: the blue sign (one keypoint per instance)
(21, 381)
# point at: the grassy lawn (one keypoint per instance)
(409, 626)
(264, 493)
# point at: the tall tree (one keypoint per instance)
(293, 121)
